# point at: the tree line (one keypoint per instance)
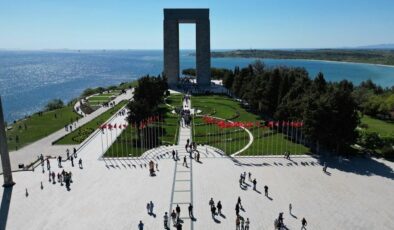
(328, 109)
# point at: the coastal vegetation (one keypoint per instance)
(378, 56)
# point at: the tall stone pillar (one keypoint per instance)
(171, 51)
(5, 157)
(203, 52)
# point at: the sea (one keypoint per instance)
(29, 79)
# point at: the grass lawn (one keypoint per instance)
(159, 133)
(80, 134)
(233, 139)
(174, 100)
(384, 128)
(38, 127)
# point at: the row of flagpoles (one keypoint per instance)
(273, 135)
(121, 140)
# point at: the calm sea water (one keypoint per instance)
(29, 79)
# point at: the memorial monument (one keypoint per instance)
(172, 18)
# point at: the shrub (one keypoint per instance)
(54, 104)
(388, 151)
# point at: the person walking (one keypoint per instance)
(184, 161)
(290, 207)
(266, 190)
(151, 205)
(173, 154)
(213, 211)
(254, 184)
(190, 208)
(237, 223)
(237, 209)
(219, 206)
(250, 176)
(80, 162)
(148, 207)
(165, 217)
(304, 223)
(211, 202)
(247, 223)
(72, 161)
(173, 217)
(48, 164)
(141, 225)
(75, 153)
(178, 211)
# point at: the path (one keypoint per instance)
(182, 188)
(44, 146)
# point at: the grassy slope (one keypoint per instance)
(384, 128)
(80, 134)
(40, 126)
(233, 139)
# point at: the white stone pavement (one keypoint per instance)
(356, 195)
(44, 146)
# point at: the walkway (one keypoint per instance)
(182, 188)
(44, 146)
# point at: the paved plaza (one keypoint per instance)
(113, 193)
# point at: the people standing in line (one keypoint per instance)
(219, 206)
(141, 225)
(304, 223)
(266, 190)
(165, 217)
(190, 208)
(247, 223)
(254, 184)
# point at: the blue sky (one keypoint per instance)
(86, 24)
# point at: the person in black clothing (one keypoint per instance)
(72, 161)
(266, 190)
(237, 209)
(179, 226)
(178, 211)
(219, 206)
(239, 202)
(213, 211)
(190, 210)
(75, 153)
(304, 223)
(173, 154)
(254, 184)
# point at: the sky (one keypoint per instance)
(235, 24)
